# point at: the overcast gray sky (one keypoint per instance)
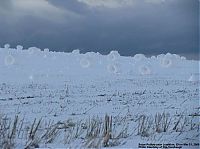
(129, 26)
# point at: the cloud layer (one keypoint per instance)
(42, 9)
(108, 3)
(130, 26)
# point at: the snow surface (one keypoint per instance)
(98, 85)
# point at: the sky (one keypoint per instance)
(150, 27)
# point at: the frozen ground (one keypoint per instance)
(150, 100)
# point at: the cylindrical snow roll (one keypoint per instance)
(113, 68)
(9, 60)
(76, 52)
(160, 57)
(113, 55)
(33, 50)
(177, 57)
(19, 47)
(6, 46)
(183, 58)
(139, 57)
(85, 63)
(166, 62)
(46, 50)
(144, 70)
(153, 57)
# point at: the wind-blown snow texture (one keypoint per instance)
(134, 85)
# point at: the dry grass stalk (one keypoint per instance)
(107, 130)
(144, 126)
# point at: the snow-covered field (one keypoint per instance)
(150, 100)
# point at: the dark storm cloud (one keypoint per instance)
(143, 27)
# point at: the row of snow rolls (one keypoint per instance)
(141, 63)
(112, 58)
(10, 59)
(164, 61)
(139, 66)
(113, 65)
